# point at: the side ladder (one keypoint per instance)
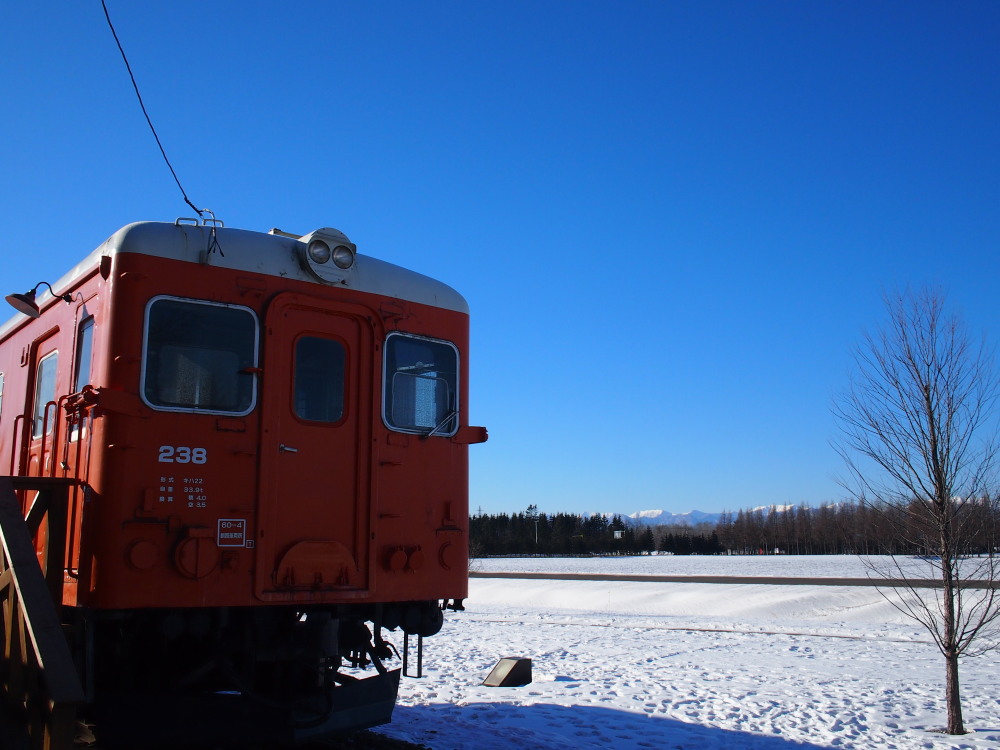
(38, 680)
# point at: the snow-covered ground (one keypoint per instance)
(689, 666)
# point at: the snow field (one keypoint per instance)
(689, 666)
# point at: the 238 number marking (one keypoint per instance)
(182, 454)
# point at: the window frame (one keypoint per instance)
(254, 365)
(387, 379)
(84, 349)
(38, 408)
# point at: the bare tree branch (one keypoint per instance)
(919, 440)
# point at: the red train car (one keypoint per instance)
(269, 436)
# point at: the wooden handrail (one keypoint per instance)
(37, 676)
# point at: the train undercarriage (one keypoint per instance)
(229, 676)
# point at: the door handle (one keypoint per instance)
(287, 448)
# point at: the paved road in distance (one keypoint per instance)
(766, 580)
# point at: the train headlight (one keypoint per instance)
(319, 252)
(343, 256)
(328, 256)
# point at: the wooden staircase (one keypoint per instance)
(38, 681)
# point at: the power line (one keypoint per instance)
(201, 212)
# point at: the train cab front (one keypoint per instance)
(273, 471)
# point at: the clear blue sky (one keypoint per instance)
(672, 220)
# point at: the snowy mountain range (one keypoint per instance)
(692, 517)
(666, 518)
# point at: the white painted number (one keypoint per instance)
(182, 454)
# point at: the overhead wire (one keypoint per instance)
(213, 242)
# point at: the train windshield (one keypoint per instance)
(199, 356)
(421, 385)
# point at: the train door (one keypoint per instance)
(315, 489)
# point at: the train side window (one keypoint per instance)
(199, 356)
(81, 376)
(420, 382)
(45, 393)
(84, 349)
(319, 379)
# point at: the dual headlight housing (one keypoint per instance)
(328, 254)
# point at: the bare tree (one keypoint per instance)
(918, 435)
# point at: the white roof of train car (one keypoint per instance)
(257, 252)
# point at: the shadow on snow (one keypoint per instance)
(545, 726)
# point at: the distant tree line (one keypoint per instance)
(851, 528)
(535, 533)
(846, 528)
